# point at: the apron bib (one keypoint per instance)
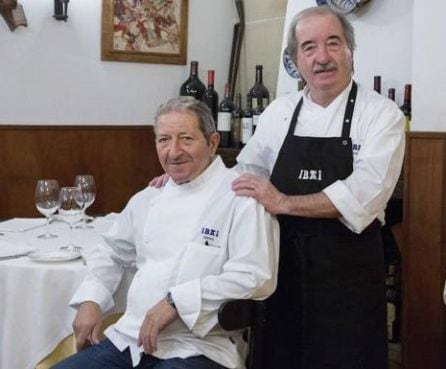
(329, 310)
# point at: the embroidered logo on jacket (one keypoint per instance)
(310, 174)
(210, 236)
(209, 231)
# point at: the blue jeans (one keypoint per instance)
(106, 355)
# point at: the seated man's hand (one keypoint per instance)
(159, 181)
(87, 324)
(156, 319)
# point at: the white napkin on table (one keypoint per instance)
(21, 224)
(9, 250)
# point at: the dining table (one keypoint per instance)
(35, 291)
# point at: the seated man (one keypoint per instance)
(195, 244)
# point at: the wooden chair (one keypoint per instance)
(249, 315)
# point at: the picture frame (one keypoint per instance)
(145, 31)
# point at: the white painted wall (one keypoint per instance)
(51, 72)
(383, 31)
(429, 66)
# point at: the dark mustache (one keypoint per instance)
(324, 67)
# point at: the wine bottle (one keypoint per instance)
(210, 96)
(259, 90)
(236, 122)
(256, 113)
(225, 110)
(193, 86)
(377, 84)
(391, 94)
(407, 105)
(393, 298)
(247, 123)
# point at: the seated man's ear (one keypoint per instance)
(214, 141)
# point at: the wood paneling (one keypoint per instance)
(121, 158)
(424, 252)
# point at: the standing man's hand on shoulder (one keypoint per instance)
(156, 319)
(87, 324)
(159, 181)
(251, 185)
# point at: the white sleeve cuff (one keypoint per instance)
(354, 216)
(187, 298)
(90, 290)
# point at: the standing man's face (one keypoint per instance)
(182, 148)
(323, 57)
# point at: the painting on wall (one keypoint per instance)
(144, 31)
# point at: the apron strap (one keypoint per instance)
(292, 126)
(348, 115)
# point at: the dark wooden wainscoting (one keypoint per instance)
(424, 252)
(121, 158)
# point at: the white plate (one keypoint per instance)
(55, 255)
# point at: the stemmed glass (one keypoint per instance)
(71, 210)
(47, 202)
(87, 186)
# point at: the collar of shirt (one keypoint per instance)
(198, 182)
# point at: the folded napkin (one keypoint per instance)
(21, 224)
(9, 250)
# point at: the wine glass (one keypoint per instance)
(87, 186)
(70, 211)
(47, 202)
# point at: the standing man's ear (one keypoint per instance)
(214, 141)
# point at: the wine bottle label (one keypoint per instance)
(391, 316)
(224, 121)
(407, 123)
(236, 132)
(254, 103)
(255, 120)
(246, 129)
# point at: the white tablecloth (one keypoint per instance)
(34, 295)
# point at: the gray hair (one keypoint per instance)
(190, 104)
(347, 28)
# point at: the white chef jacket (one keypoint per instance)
(377, 133)
(200, 242)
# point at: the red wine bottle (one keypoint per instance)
(247, 123)
(193, 86)
(210, 96)
(259, 90)
(407, 105)
(391, 94)
(377, 84)
(225, 110)
(236, 122)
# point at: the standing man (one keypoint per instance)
(195, 245)
(334, 154)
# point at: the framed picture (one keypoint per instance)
(144, 31)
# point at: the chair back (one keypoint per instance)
(250, 315)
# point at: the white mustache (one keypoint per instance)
(324, 68)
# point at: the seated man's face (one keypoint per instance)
(182, 148)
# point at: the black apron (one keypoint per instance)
(329, 310)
